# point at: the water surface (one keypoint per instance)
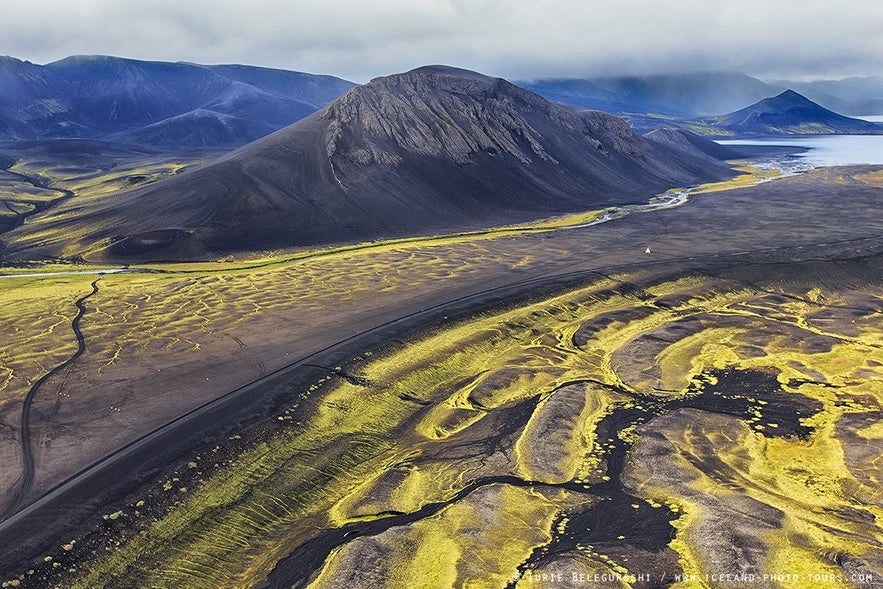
(826, 150)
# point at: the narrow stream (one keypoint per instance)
(38, 207)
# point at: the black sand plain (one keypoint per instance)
(783, 235)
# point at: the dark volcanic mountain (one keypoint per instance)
(169, 105)
(789, 113)
(434, 149)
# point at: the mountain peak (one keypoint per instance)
(788, 100)
(438, 111)
(81, 59)
(447, 70)
(155, 103)
(791, 98)
(7, 62)
(441, 78)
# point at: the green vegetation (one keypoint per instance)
(38, 180)
(520, 394)
(351, 451)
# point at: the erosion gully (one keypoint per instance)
(612, 519)
(37, 182)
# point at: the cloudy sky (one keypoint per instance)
(361, 39)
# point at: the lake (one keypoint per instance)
(826, 150)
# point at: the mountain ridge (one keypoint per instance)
(104, 97)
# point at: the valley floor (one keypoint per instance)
(498, 408)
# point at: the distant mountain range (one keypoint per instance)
(787, 113)
(182, 105)
(706, 93)
(158, 104)
(686, 95)
(435, 149)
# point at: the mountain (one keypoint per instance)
(681, 95)
(99, 97)
(436, 149)
(855, 96)
(789, 113)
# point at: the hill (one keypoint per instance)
(693, 143)
(789, 113)
(431, 150)
(99, 97)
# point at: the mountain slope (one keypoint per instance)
(98, 97)
(789, 113)
(693, 143)
(434, 149)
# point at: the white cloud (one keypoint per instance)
(511, 38)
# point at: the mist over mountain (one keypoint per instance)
(433, 149)
(681, 95)
(664, 102)
(160, 104)
(854, 96)
(704, 93)
(586, 94)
